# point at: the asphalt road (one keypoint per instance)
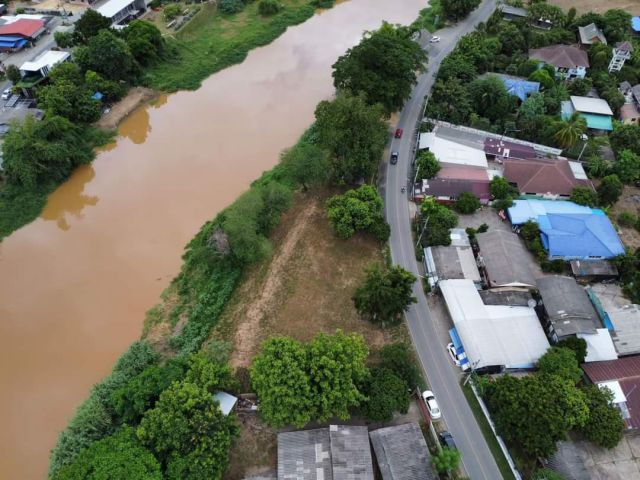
(443, 378)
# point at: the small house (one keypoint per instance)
(590, 35)
(20, 33)
(596, 112)
(569, 61)
(545, 178)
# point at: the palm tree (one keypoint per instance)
(569, 131)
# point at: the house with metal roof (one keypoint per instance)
(20, 33)
(591, 34)
(451, 152)
(500, 254)
(567, 307)
(593, 270)
(568, 60)
(37, 69)
(494, 337)
(402, 453)
(569, 231)
(499, 150)
(510, 13)
(452, 261)
(545, 178)
(119, 11)
(517, 86)
(624, 326)
(340, 452)
(596, 112)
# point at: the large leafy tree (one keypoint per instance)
(439, 220)
(385, 294)
(561, 362)
(616, 25)
(625, 137)
(355, 135)
(490, 98)
(457, 66)
(467, 203)
(577, 345)
(383, 66)
(450, 101)
(109, 56)
(501, 188)
(358, 210)
(546, 11)
(446, 460)
(118, 456)
(457, 9)
(609, 190)
(398, 357)
(569, 131)
(427, 164)
(89, 25)
(386, 393)
(144, 40)
(306, 163)
(605, 425)
(187, 422)
(584, 196)
(627, 166)
(64, 99)
(554, 403)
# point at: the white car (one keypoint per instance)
(432, 404)
(458, 358)
(6, 94)
(434, 39)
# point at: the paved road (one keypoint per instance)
(444, 380)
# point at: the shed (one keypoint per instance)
(500, 254)
(624, 323)
(402, 453)
(591, 34)
(590, 270)
(226, 401)
(514, 298)
(567, 306)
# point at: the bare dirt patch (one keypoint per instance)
(630, 202)
(599, 6)
(118, 112)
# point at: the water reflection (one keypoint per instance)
(70, 198)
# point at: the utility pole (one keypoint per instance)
(424, 226)
(584, 138)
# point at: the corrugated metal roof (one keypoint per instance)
(304, 455)
(350, 453)
(599, 346)
(499, 248)
(626, 329)
(620, 369)
(591, 105)
(402, 453)
(23, 27)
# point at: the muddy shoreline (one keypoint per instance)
(135, 98)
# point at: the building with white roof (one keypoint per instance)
(599, 346)
(43, 63)
(120, 10)
(450, 152)
(493, 336)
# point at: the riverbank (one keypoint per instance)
(135, 98)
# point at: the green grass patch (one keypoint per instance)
(489, 436)
(212, 41)
(431, 18)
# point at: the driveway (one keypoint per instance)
(477, 459)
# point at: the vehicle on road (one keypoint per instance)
(6, 94)
(434, 39)
(398, 133)
(446, 439)
(459, 359)
(432, 404)
(394, 158)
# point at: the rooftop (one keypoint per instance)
(23, 27)
(594, 121)
(541, 176)
(493, 335)
(112, 7)
(226, 401)
(447, 151)
(451, 188)
(509, 10)
(444, 263)
(505, 149)
(561, 56)
(629, 111)
(462, 172)
(48, 59)
(599, 346)
(591, 34)
(402, 453)
(518, 87)
(591, 105)
(515, 298)
(635, 24)
(626, 329)
(498, 249)
(568, 306)
(624, 46)
(596, 268)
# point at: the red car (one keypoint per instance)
(399, 133)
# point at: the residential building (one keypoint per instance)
(402, 453)
(36, 70)
(501, 254)
(499, 150)
(568, 60)
(447, 190)
(545, 178)
(591, 34)
(452, 152)
(20, 33)
(340, 452)
(600, 346)
(518, 87)
(621, 53)
(454, 261)
(569, 231)
(630, 113)
(494, 337)
(122, 11)
(593, 270)
(622, 378)
(511, 14)
(595, 111)
(567, 307)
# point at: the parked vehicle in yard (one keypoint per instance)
(434, 39)
(6, 94)
(459, 359)
(398, 133)
(446, 439)
(394, 158)
(432, 404)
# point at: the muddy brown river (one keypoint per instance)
(75, 283)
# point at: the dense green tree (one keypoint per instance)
(307, 164)
(599, 56)
(501, 188)
(117, 456)
(467, 203)
(109, 56)
(543, 77)
(64, 99)
(450, 101)
(385, 294)
(597, 166)
(231, 6)
(584, 196)
(568, 131)
(187, 421)
(13, 73)
(609, 190)
(276, 199)
(614, 98)
(625, 137)
(480, 48)
(386, 393)
(269, 7)
(89, 25)
(398, 357)
(355, 135)
(458, 9)
(359, 209)
(439, 220)
(446, 460)
(457, 66)
(66, 72)
(546, 474)
(111, 90)
(627, 166)
(580, 86)
(533, 106)
(171, 11)
(64, 39)
(616, 25)
(561, 362)
(577, 345)
(556, 405)
(546, 11)
(511, 38)
(144, 40)
(427, 164)
(241, 224)
(383, 66)
(605, 425)
(280, 378)
(490, 98)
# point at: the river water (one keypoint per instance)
(75, 283)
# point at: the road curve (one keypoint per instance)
(444, 380)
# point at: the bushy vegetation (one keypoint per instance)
(358, 210)
(467, 203)
(435, 222)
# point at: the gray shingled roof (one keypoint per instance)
(402, 453)
(591, 32)
(568, 306)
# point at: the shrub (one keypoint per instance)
(230, 6)
(269, 7)
(627, 219)
(467, 203)
(171, 11)
(386, 393)
(483, 228)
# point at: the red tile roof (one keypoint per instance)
(620, 369)
(24, 27)
(453, 187)
(450, 170)
(563, 56)
(542, 176)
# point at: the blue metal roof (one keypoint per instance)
(568, 230)
(13, 42)
(457, 344)
(520, 88)
(598, 122)
(635, 24)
